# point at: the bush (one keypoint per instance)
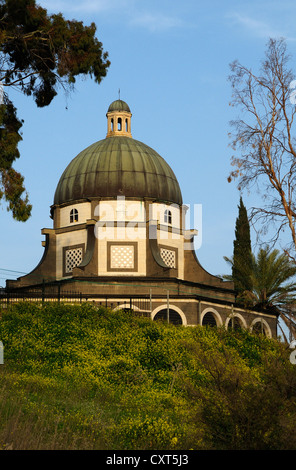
(83, 377)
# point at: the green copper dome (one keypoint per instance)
(118, 166)
(119, 105)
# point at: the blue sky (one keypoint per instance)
(170, 60)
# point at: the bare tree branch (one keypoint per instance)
(263, 138)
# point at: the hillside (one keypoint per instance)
(82, 377)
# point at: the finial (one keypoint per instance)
(119, 93)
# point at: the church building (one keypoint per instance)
(119, 238)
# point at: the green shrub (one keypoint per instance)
(85, 377)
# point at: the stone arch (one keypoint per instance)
(263, 325)
(126, 306)
(206, 318)
(172, 308)
(238, 317)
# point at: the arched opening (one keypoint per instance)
(73, 216)
(174, 317)
(235, 323)
(259, 328)
(126, 125)
(126, 307)
(119, 124)
(209, 319)
(112, 124)
(167, 217)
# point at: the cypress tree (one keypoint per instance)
(242, 252)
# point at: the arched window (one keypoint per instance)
(167, 217)
(234, 323)
(259, 328)
(73, 216)
(126, 125)
(119, 124)
(174, 316)
(209, 319)
(112, 125)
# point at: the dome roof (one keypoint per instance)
(119, 105)
(118, 166)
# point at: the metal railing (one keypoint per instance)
(53, 293)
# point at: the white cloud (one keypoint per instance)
(155, 22)
(256, 27)
(83, 6)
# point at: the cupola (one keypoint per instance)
(118, 165)
(119, 119)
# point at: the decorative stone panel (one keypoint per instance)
(72, 258)
(169, 256)
(122, 256)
